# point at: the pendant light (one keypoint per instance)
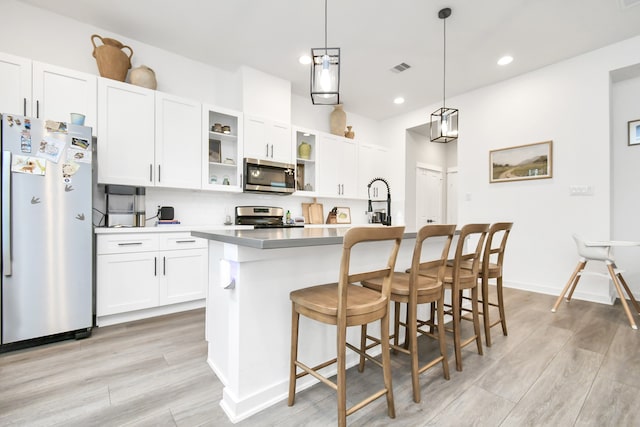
(444, 121)
(325, 71)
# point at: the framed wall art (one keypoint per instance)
(523, 162)
(343, 216)
(634, 132)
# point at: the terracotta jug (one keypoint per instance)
(113, 62)
(338, 120)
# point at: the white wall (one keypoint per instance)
(568, 103)
(626, 178)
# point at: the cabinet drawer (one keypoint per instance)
(175, 241)
(126, 243)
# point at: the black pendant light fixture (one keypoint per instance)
(444, 121)
(325, 71)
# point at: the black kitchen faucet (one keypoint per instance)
(387, 219)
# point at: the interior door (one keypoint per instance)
(429, 191)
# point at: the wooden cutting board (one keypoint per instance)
(313, 213)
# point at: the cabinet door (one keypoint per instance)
(58, 92)
(338, 166)
(126, 282)
(280, 139)
(265, 139)
(372, 161)
(329, 166)
(126, 116)
(255, 138)
(15, 85)
(184, 275)
(178, 139)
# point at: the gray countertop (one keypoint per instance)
(276, 238)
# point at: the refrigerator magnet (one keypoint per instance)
(25, 141)
(80, 143)
(51, 149)
(80, 156)
(28, 164)
(53, 126)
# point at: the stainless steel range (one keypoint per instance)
(262, 217)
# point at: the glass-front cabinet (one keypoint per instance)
(222, 149)
(305, 155)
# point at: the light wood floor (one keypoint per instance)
(579, 366)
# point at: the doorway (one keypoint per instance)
(429, 195)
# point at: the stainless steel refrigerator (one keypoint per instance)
(47, 287)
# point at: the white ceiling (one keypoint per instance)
(374, 36)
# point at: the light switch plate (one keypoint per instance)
(581, 190)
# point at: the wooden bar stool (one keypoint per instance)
(491, 268)
(600, 251)
(413, 289)
(346, 304)
(457, 278)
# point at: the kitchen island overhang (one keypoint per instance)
(248, 311)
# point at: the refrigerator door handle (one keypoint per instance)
(6, 213)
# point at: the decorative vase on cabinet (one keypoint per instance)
(338, 120)
(143, 76)
(304, 150)
(349, 133)
(113, 63)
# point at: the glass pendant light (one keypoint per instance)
(444, 121)
(325, 71)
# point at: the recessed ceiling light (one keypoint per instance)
(505, 60)
(398, 100)
(305, 60)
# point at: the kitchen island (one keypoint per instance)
(248, 311)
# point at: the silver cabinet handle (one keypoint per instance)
(164, 266)
(185, 241)
(150, 172)
(267, 147)
(272, 151)
(130, 244)
(38, 109)
(24, 106)
(155, 266)
(159, 176)
(6, 213)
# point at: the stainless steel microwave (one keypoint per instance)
(265, 176)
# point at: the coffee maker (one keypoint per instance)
(125, 206)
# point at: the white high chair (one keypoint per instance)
(600, 251)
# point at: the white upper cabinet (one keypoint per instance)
(46, 91)
(178, 148)
(372, 163)
(267, 139)
(337, 165)
(15, 85)
(126, 124)
(58, 92)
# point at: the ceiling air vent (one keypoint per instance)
(404, 66)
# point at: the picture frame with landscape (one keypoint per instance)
(634, 132)
(522, 162)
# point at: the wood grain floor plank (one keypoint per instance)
(610, 403)
(558, 395)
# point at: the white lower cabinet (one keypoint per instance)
(141, 275)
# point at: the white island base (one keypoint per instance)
(248, 312)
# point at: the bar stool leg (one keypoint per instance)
(386, 364)
(295, 320)
(485, 310)
(476, 318)
(503, 317)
